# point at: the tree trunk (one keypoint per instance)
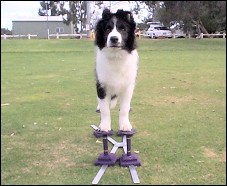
(199, 27)
(202, 28)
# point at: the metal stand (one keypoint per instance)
(128, 159)
(105, 158)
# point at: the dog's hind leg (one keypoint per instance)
(113, 102)
(98, 107)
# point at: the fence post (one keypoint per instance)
(92, 36)
(139, 34)
(57, 35)
(4, 36)
(224, 35)
(201, 35)
(29, 36)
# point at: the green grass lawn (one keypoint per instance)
(48, 102)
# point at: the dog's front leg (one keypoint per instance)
(125, 100)
(105, 124)
(104, 105)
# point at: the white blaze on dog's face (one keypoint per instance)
(114, 38)
(116, 31)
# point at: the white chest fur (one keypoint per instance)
(116, 68)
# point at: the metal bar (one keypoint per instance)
(132, 168)
(103, 168)
(111, 140)
(94, 127)
(114, 149)
(134, 174)
(99, 174)
(122, 144)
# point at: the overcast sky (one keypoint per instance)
(11, 10)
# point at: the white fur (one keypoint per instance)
(116, 70)
(115, 33)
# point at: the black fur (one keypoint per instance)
(113, 97)
(101, 92)
(125, 25)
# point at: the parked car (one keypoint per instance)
(178, 33)
(159, 31)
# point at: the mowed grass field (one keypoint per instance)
(48, 102)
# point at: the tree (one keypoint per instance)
(153, 7)
(76, 13)
(49, 5)
(202, 16)
(73, 12)
(6, 31)
(148, 6)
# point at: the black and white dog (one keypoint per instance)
(116, 66)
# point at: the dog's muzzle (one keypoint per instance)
(114, 41)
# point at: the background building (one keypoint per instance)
(39, 26)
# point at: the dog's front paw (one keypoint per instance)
(104, 127)
(125, 126)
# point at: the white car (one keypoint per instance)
(178, 33)
(159, 31)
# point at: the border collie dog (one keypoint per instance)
(116, 66)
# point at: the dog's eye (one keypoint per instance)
(108, 28)
(122, 28)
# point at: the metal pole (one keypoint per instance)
(88, 19)
(128, 146)
(105, 145)
(47, 22)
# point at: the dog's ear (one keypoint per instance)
(106, 13)
(124, 14)
(129, 16)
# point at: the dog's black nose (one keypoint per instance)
(114, 39)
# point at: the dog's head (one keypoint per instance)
(116, 30)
